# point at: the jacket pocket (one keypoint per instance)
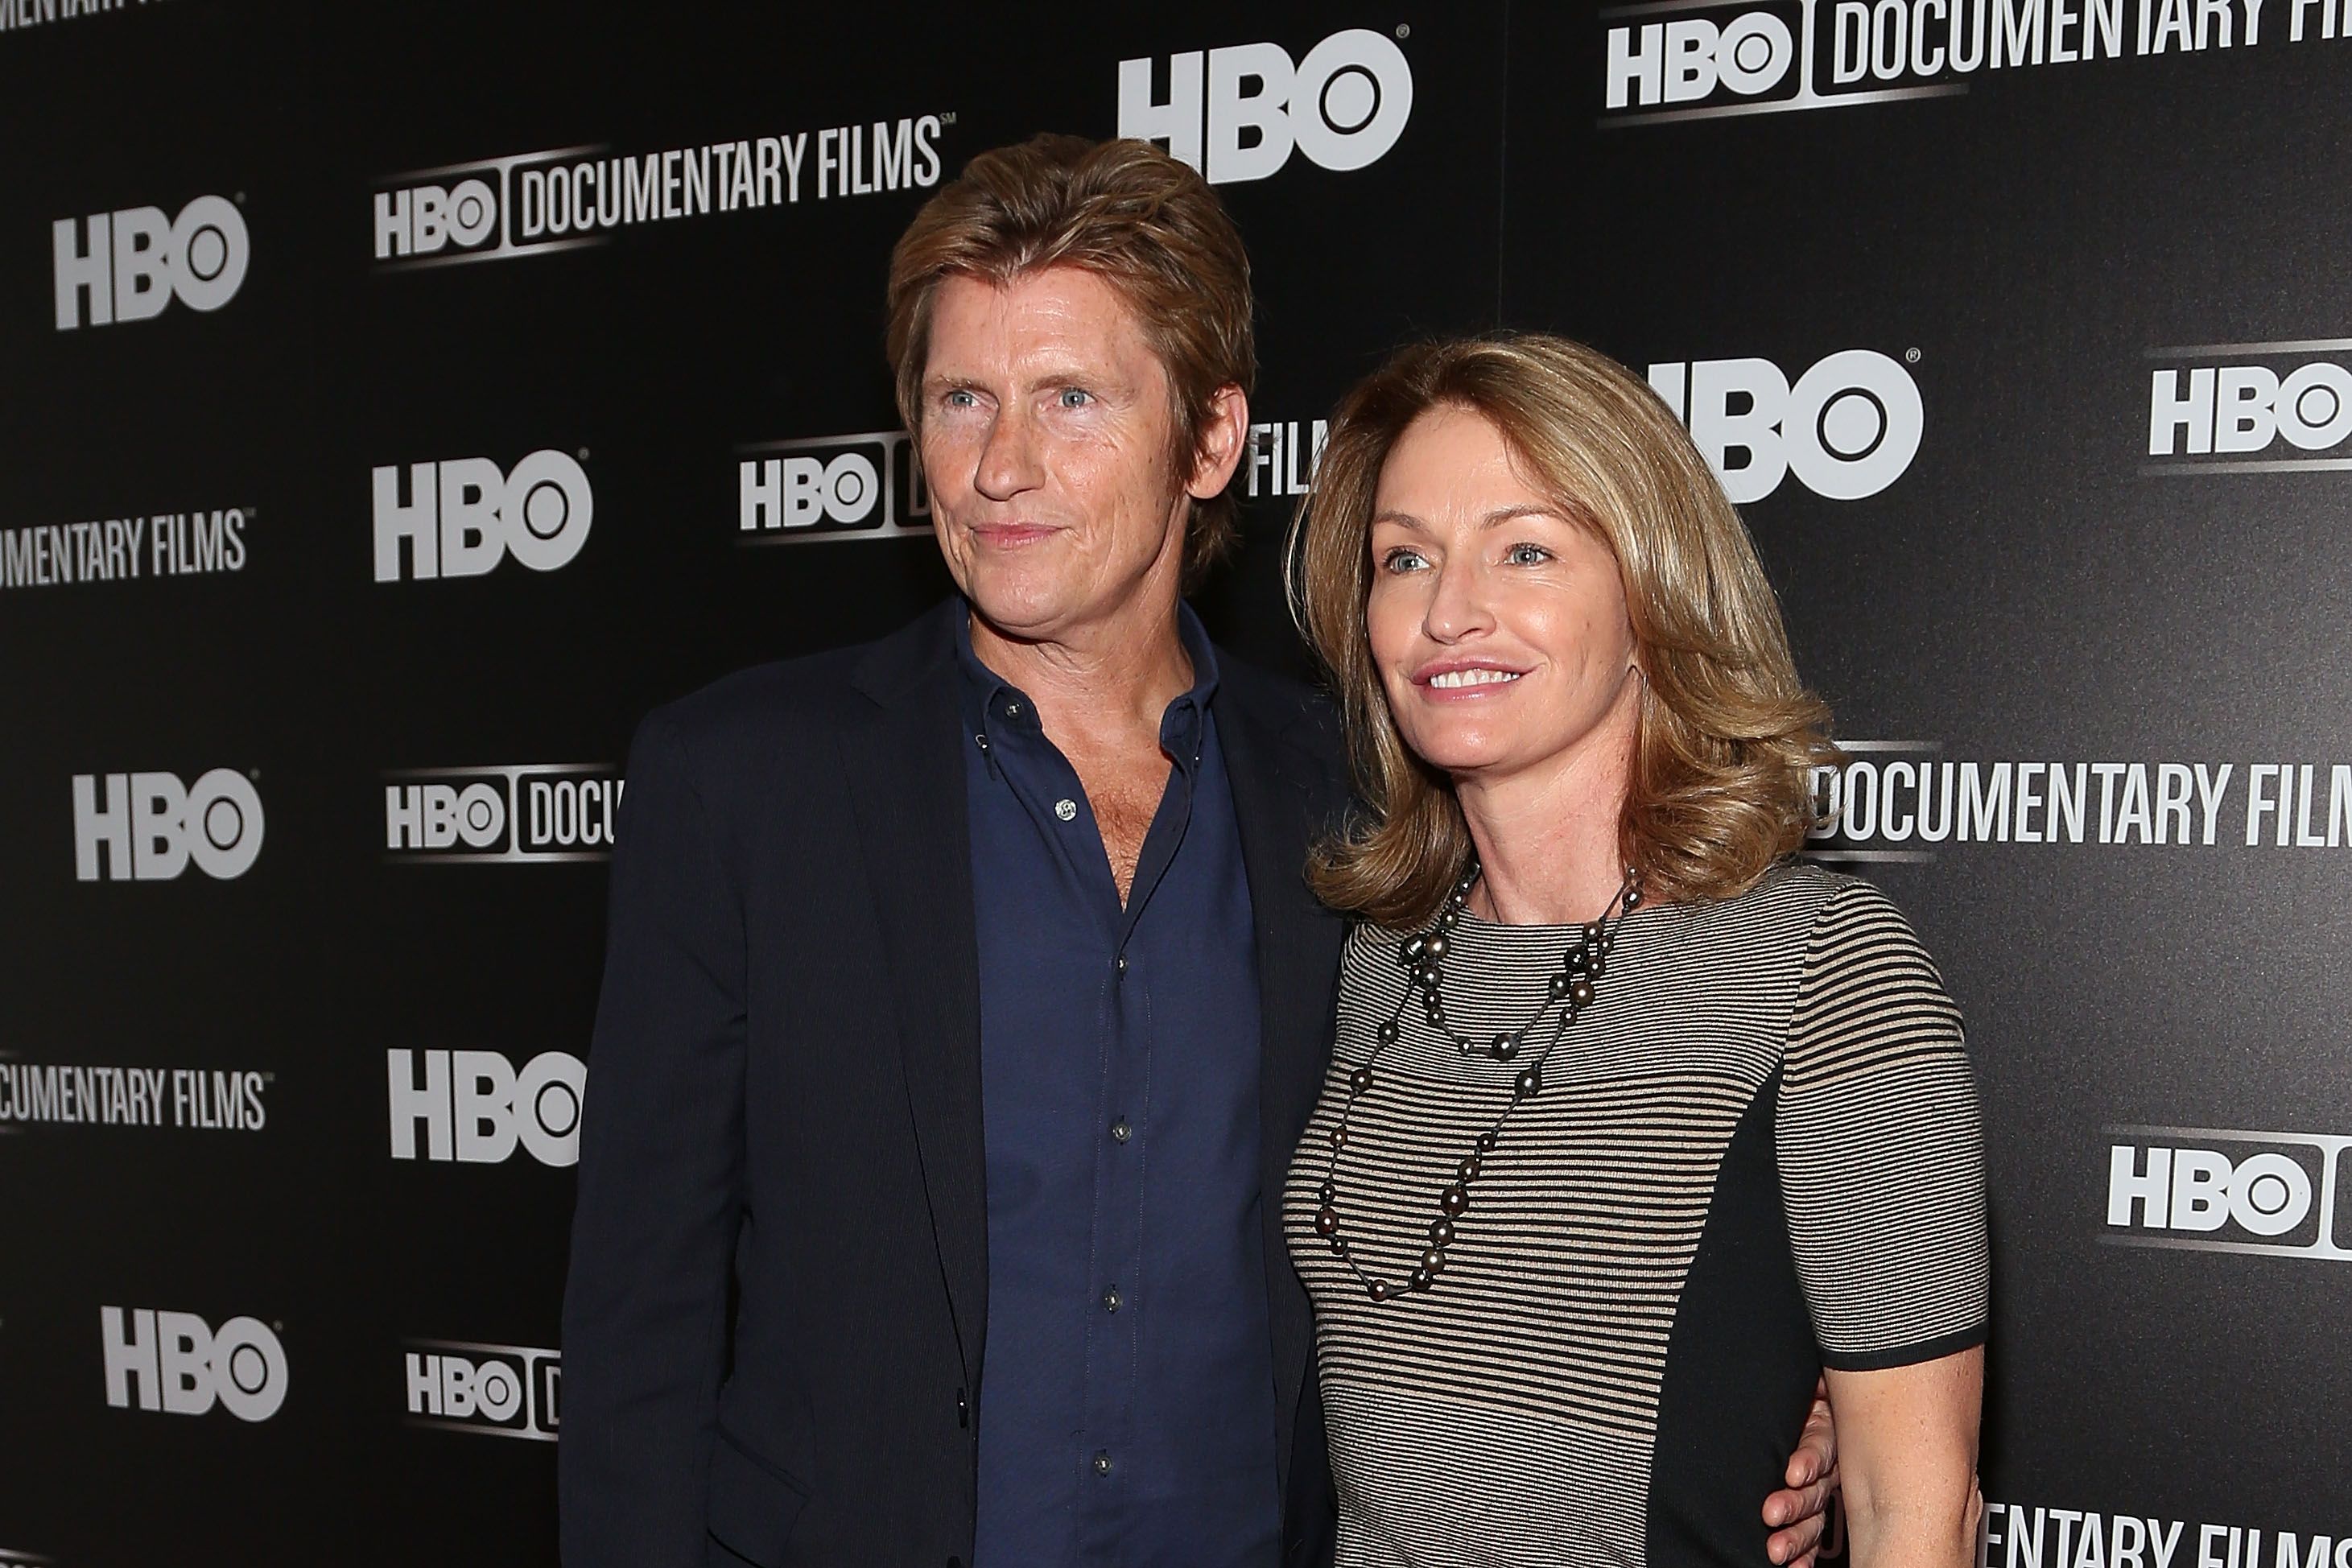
(751, 1507)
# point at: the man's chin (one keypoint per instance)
(1013, 605)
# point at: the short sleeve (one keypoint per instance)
(1881, 1150)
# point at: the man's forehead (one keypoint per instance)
(1051, 312)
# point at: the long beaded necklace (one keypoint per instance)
(1423, 958)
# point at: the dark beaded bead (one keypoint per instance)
(1327, 1192)
(1441, 1231)
(1326, 1220)
(1449, 920)
(1558, 986)
(1528, 1084)
(1380, 1289)
(1468, 1169)
(1594, 932)
(1427, 977)
(1413, 947)
(1598, 967)
(1386, 1033)
(1581, 991)
(1432, 1260)
(1436, 945)
(1338, 1138)
(1505, 1046)
(1453, 1200)
(1338, 1246)
(1360, 1079)
(1418, 1278)
(1486, 1142)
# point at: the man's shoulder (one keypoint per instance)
(769, 710)
(1292, 711)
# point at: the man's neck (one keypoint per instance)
(1098, 682)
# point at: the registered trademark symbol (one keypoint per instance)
(1404, 29)
(1910, 356)
(238, 198)
(583, 451)
(253, 774)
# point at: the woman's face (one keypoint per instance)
(1499, 625)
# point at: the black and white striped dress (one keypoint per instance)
(1756, 1155)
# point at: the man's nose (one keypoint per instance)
(1008, 460)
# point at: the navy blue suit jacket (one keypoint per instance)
(774, 1322)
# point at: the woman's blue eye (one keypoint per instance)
(1527, 555)
(1402, 561)
(960, 399)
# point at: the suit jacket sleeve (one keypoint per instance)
(660, 1181)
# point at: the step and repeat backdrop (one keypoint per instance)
(401, 399)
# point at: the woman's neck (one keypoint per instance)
(1549, 843)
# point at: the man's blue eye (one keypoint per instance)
(1073, 397)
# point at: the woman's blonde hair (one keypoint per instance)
(1721, 784)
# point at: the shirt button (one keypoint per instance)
(1122, 964)
(1110, 1299)
(1102, 1462)
(1012, 711)
(1120, 1131)
(1068, 810)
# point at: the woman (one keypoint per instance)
(1633, 1124)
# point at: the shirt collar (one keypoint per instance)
(991, 702)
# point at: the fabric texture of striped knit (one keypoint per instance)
(1757, 1153)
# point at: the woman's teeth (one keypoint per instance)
(1448, 679)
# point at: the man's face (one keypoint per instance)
(1047, 424)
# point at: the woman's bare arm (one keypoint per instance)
(1908, 1457)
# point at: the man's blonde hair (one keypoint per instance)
(1144, 223)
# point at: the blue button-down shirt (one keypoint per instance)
(1127, 1409)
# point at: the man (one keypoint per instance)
(964, 998)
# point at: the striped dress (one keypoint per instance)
(1757, 1153)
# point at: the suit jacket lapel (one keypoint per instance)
(1277, 801)
(905, 774)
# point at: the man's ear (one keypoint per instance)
(1224, 434)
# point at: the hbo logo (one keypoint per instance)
(152, 826)
(437, 816)
(508, 1391)
(1344, 105)
(463, 517)
(1686, 60)
(2201, 1190)
(180, 1366)
(423, 219)
(795, 492)
(1848, 428)
(2246, 408)
(134, 262)
(475, 1107)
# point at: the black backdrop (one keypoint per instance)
(2059, 533)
